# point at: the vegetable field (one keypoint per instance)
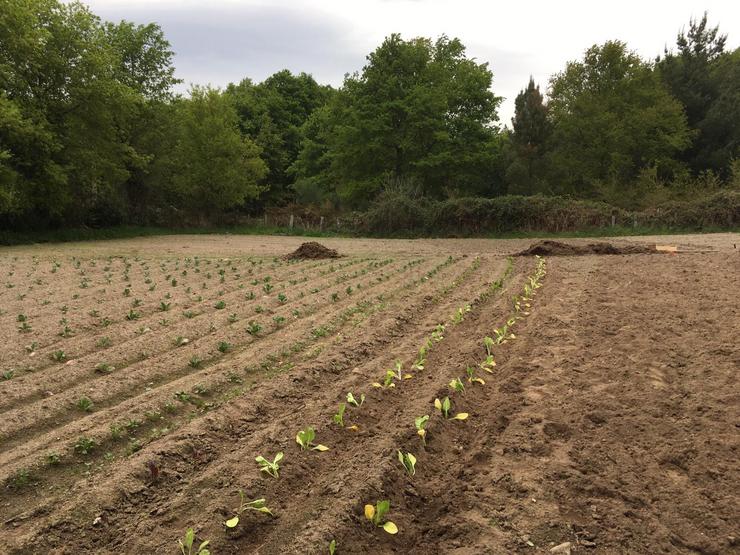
(431, 396)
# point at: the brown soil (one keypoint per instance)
(312, 250)
(609, 421)
(556, 248)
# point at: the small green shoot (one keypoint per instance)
(271, 468)
(408, 461)
(445, 406)
(376, 514)
(352, 401)
(186, 544)
(305, 438)
(420, 422)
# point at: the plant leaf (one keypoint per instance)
(278, 457)
(369, 512)
(461, 416)
(382, 508)
(390, 527)
(232, 522)
(320, 447)
(438, 404)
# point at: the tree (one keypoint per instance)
(531, 132)
(419, 111)
(216, 168)
(612, 117)
(706, 80)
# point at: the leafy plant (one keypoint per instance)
(253, 328)
(420, 422)
(332, 547)
(84, 404)
(445, 406)
(220, 305)
(84, 445)
(58, 356)
(339, 416)
(457, 385)
(103, 368)
(186, 544)
(305, 438)
(268, 467)
(194, 361)
(376, 515)
(408, 461)
(472, 378)
(132, 315)
(282, 298)
(352, 401)
(164, 307)
(259, 505)
(223, 346)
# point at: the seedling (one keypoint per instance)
(279, 320)
(352, 401)
(282, 299)
(445, 406)
(305, 438)
(472, 378)
(332, 547)
(457, 386)
(267, 287)
(408, 461)
(180, 341)
(58, 356)
(84, 445)
(132, 315)
(271, 468)
(376, 514)
(258, 505)
(103, 368)
(84, 404)
(194, 361)
(103, 342)
(25, 327)
(420, 422)
(186, 544)
(220, 305)
(164, 307)
(253, 328)
(339, 416)
(334, 297)
(223, 346)
(232, 318)
(8, 374)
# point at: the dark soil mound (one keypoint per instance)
(311, 250)
(556, 248)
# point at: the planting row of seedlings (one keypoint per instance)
(190, 397)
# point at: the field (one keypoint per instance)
(141, 378)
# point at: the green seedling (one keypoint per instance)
(420, 422)
(189, 314)
(132, 315)
(271, 468)
(305, 438)
(223, 346)
(186, 544)
(164, 307)
(194, 361)
(334, 297)
(332, 547)
(282, 298)
(220, 305)
(388, 381)
(457, 385)
(472, 378)
(25, 327)
(103, 342)
(376, 514)
(253, 328)
(279, 320)
(32, 347)
(267, 287)
(339, 416)
(182, 396)
(58, 356)
(258, 505)
(445, 406)
(408, 461)
(352, 401)
(84, 404)
(84, 445)
(53, 458)
(232, 318)
(103, 368)
(8, 375)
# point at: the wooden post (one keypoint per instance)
(614, 220)
(291, 222)
(321, 224)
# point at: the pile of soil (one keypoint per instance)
(556, 248)
(312, 250)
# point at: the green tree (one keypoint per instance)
(531, 132)
(612, 117)
(420, 111)
(706, 79)
(216, 169)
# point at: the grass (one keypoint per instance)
(9, 238)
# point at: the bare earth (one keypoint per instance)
(141, 378)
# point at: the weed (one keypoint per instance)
(334, 297)
(25, 327)
(189, 314)
(271, 468)
(376, 514)
(305, 438)
(182, 396)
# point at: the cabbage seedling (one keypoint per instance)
(376, 513)
(420, 423)
(457, 386)
(472, 378)
(408, 461)
(339, 416)
(186, 544)
(305, 438)
(444, 408)
(259, 505)
(268, 467)
(352, 401)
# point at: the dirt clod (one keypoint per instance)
(556, 248)
(312, 250)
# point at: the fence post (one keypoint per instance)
(614, 220)
(291, 222)
(321, 224)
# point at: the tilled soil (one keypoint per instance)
(608, 425)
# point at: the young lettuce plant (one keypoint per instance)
(445, 406)
(271, 468)
(258, 505)
(352, 401)
(408, 461)
(472, 378)
(420, 422)
(305, 438)
(457, 385)
(186, 544)
(339, 416)
(376, 514)
(489, 363)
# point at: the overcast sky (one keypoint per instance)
(221, 41)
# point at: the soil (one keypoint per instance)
(609, 422)
(312, 251)
(556, 248)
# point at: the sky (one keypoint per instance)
(221, 41)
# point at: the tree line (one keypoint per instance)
(92, 132)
